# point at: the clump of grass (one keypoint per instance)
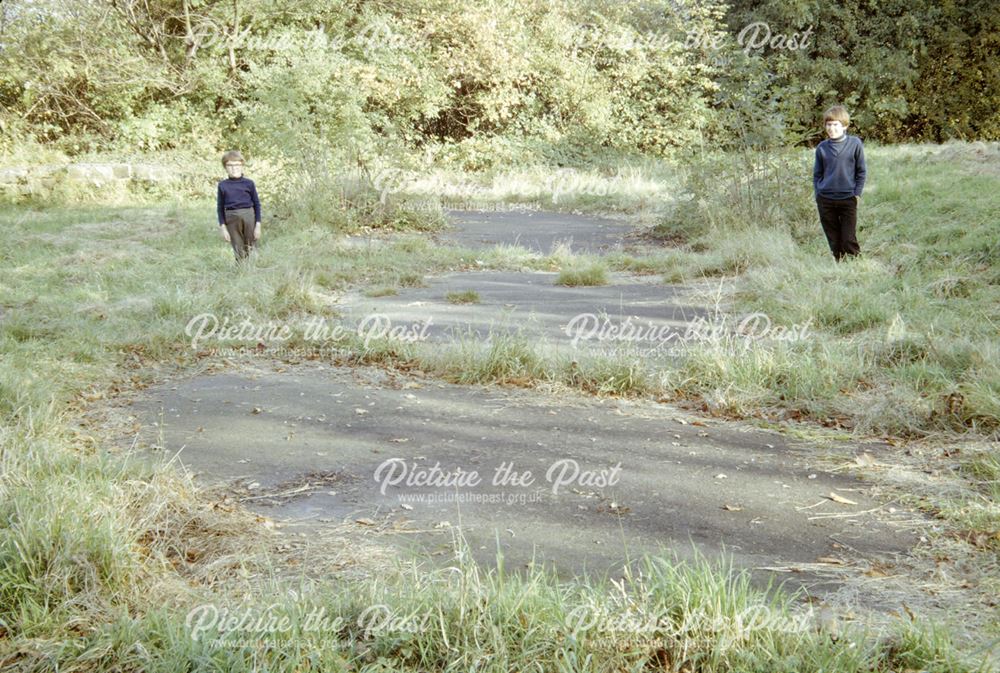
(381, 292)
(508, 357)
(380, 350)
(583, 275)
(411, 279)
(465, 297)
(663, 263)
(88, 533)
(601, 375)
(507, 256)
(979, 511)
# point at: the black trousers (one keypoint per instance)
(839, 218)
(240, 223)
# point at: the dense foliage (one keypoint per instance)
(483, 81)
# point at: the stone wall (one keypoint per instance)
(31, 179)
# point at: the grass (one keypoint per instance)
(897, 353)
(381, 292)
(584, 274)
(905, 341)
(666, 613)
(641, 186)
(100, 558)
(463, 297)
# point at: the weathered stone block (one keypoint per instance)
(93, 173)
(150, 173)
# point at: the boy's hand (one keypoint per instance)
(256, 232)
(857, 199)
(225, 233)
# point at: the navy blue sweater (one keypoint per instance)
(237, 193)
(840, 171)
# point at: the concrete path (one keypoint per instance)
(316, 444)
(567, 318)
(416, 459)
(536, 230)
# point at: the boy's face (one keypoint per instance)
(835, 129)
(234, 169)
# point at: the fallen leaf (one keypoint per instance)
(405, 506)
(841, 499)
(732, 508)
(830, 559)
(364, 521)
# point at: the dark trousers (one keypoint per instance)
(240, 223)
(839, 218)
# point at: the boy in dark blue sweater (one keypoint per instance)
(838, 180)
(238, 206)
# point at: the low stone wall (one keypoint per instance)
(28, 179)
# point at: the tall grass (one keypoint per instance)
(904, 338)
(661, 614)
(100, 558)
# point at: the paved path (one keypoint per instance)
(679, 485)
(307, 443)
(536, 230)
(567, 318)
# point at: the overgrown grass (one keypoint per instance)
(95, 553)
(381, 292)
(463, 297)
(642, 186)
(902, 341)
(584, 274)
(662, 614)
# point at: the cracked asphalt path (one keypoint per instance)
(361, 435)
(393, 454)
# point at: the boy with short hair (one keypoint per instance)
(839, 175)
(238, 207)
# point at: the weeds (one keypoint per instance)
(464, 297)
(583, 275)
